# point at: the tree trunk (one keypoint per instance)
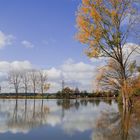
(42, 92)
(126, 115)
(125, 96)
(16, 93)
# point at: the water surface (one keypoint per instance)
(66, 120)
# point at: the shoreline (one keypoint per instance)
(40, 97)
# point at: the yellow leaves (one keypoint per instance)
(99, 2)
(86, 2)
(95, 52)
(96, 21)
(100, 75)
(113, 13)
(91, 28)
(114, 16)
(112, 81)
(84, 31)
(136, 83)
(85, 10)
(82, 22)
(87, 14)
(115, 3)
(98, 34)
(82, 37)
(107, 11)
(95, 15)
(46, 87)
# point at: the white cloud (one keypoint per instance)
(5, 40)
(27, 44)
(6, 66)
(128, 48)
(53, 73)
(76, 67)
(74, 74)
(19, 65)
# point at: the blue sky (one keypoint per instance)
(49, 25)
(41, 34)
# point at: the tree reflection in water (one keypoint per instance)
(103, 119)
(122, 125)
(111, 124)
(27, 117)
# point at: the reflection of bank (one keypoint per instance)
(74, 119)
(23, 115)
(102, 118)
(25, 109)
(66, 104)
(123, 125)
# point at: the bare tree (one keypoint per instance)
(44, 86)
(25, 80)
(34, 80)
(14, 77)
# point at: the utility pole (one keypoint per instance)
(63, 84)
(0, 89)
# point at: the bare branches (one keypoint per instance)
(44, 86)
(14, 77)
(25, 80)
(35, 80)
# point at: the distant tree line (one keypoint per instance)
(68, 92)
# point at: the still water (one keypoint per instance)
(66, 120)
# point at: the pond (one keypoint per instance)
(66, 120)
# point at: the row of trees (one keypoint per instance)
(68, 92)
(33, 81)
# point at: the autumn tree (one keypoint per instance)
(135, 85)
(105, 26)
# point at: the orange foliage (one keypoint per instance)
(96, 20)
(135, 84)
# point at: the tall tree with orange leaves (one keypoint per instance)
(105, 25)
